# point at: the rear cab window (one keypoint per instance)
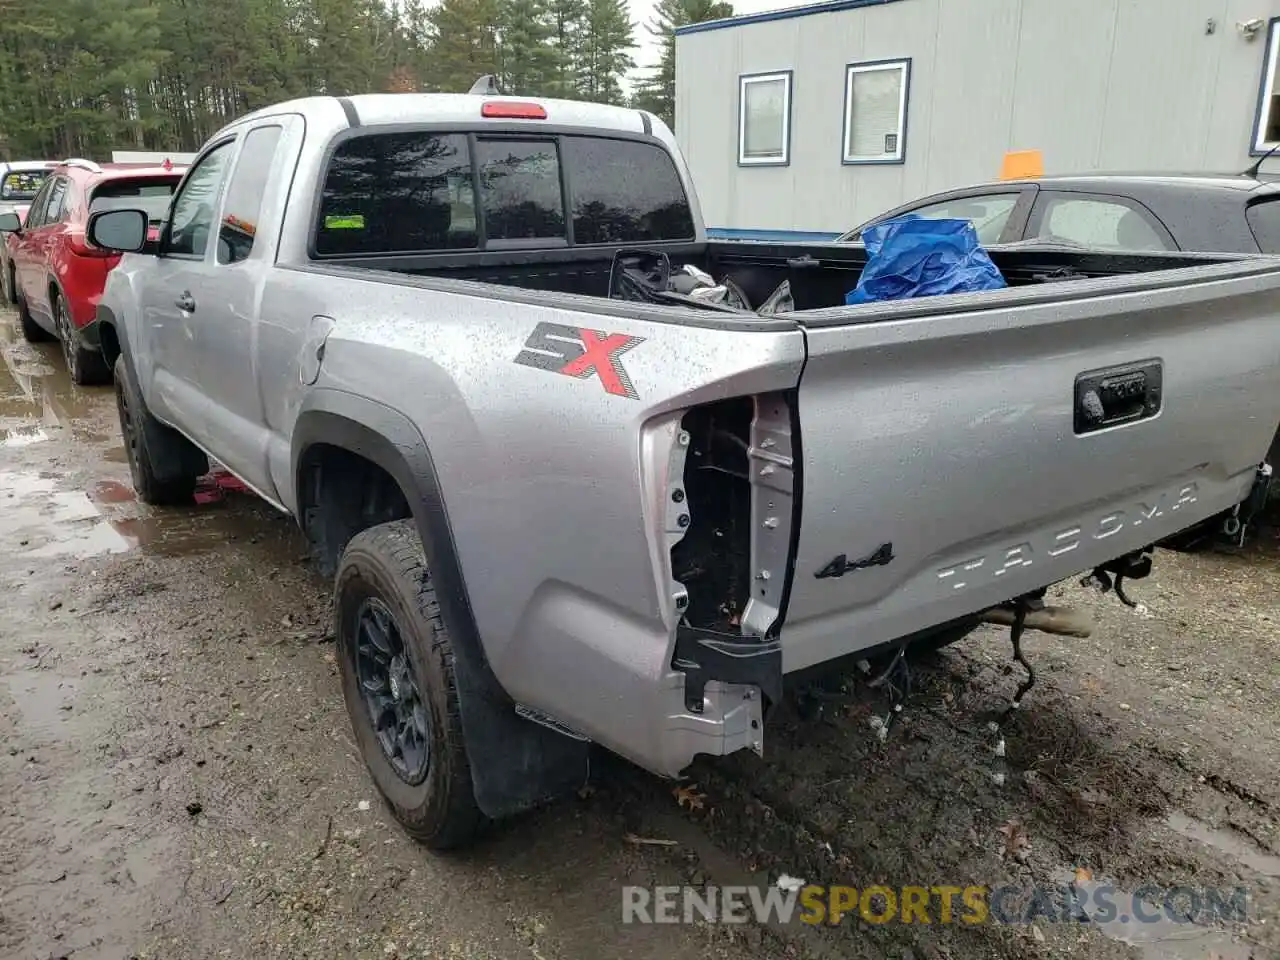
(520, 189)
(431, 192)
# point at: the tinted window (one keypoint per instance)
(22, 184)
(520, 189)
(136, 188)
(625, 192)
(1097, 223)
(56, 212)
(35, 214)
(150, 195)
(245, 193)
(1264, 221)
(397, 193)
(193, 208)
(989, 215)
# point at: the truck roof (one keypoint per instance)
(375, 109)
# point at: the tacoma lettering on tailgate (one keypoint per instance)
(1056, 544)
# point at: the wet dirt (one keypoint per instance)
(178, 777)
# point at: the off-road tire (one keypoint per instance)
(387, 563)
(164, 464)
(32, 332)
(86, 365)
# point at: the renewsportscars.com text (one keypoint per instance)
(940, 904)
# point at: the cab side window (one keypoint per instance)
(194, 207)
(245, 194)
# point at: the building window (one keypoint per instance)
(875, 111)
(1266, 125)
(764, 119)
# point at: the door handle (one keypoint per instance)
(1119, 395)
(186, 303)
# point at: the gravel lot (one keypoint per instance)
(179, 778)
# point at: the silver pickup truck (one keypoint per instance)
(566, 504)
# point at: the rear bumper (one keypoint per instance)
(629, 698)
(659, 721)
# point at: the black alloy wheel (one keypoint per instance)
(391, 693)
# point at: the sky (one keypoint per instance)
(646, 52)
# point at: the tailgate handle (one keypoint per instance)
(1119, 395)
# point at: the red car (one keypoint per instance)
(53, 274)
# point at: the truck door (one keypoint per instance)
(175, 298)
(237, 344)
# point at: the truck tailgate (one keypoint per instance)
(1004, 442)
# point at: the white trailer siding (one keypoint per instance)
(1093, 84)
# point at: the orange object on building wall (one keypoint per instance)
(1021, 164)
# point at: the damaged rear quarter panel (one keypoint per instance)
(553, 483)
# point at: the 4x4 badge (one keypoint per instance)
(842, 564)
(581, 352)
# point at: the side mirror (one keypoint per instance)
(121, 231)
(10, 223)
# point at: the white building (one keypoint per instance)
(813, 119)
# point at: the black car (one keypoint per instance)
(1227, 213)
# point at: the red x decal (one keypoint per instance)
(600, 356)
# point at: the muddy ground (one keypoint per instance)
(178, 778)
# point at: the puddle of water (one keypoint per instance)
(1154, 929)
(35, 385)
(24, 436)
(37, 519)
(222, 512)
(40, 520)
(1234, 846)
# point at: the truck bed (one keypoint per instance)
(820, 274)
(946, 431)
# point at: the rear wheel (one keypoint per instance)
(396, 660)
(85, 364)
(164, 464)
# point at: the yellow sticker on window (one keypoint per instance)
(351, 221)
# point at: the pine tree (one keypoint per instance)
(463, 37)
(86, 76)
(606, 45)
(657, 93)
(528, 59)
(568, 23)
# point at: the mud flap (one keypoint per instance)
(516, 764)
